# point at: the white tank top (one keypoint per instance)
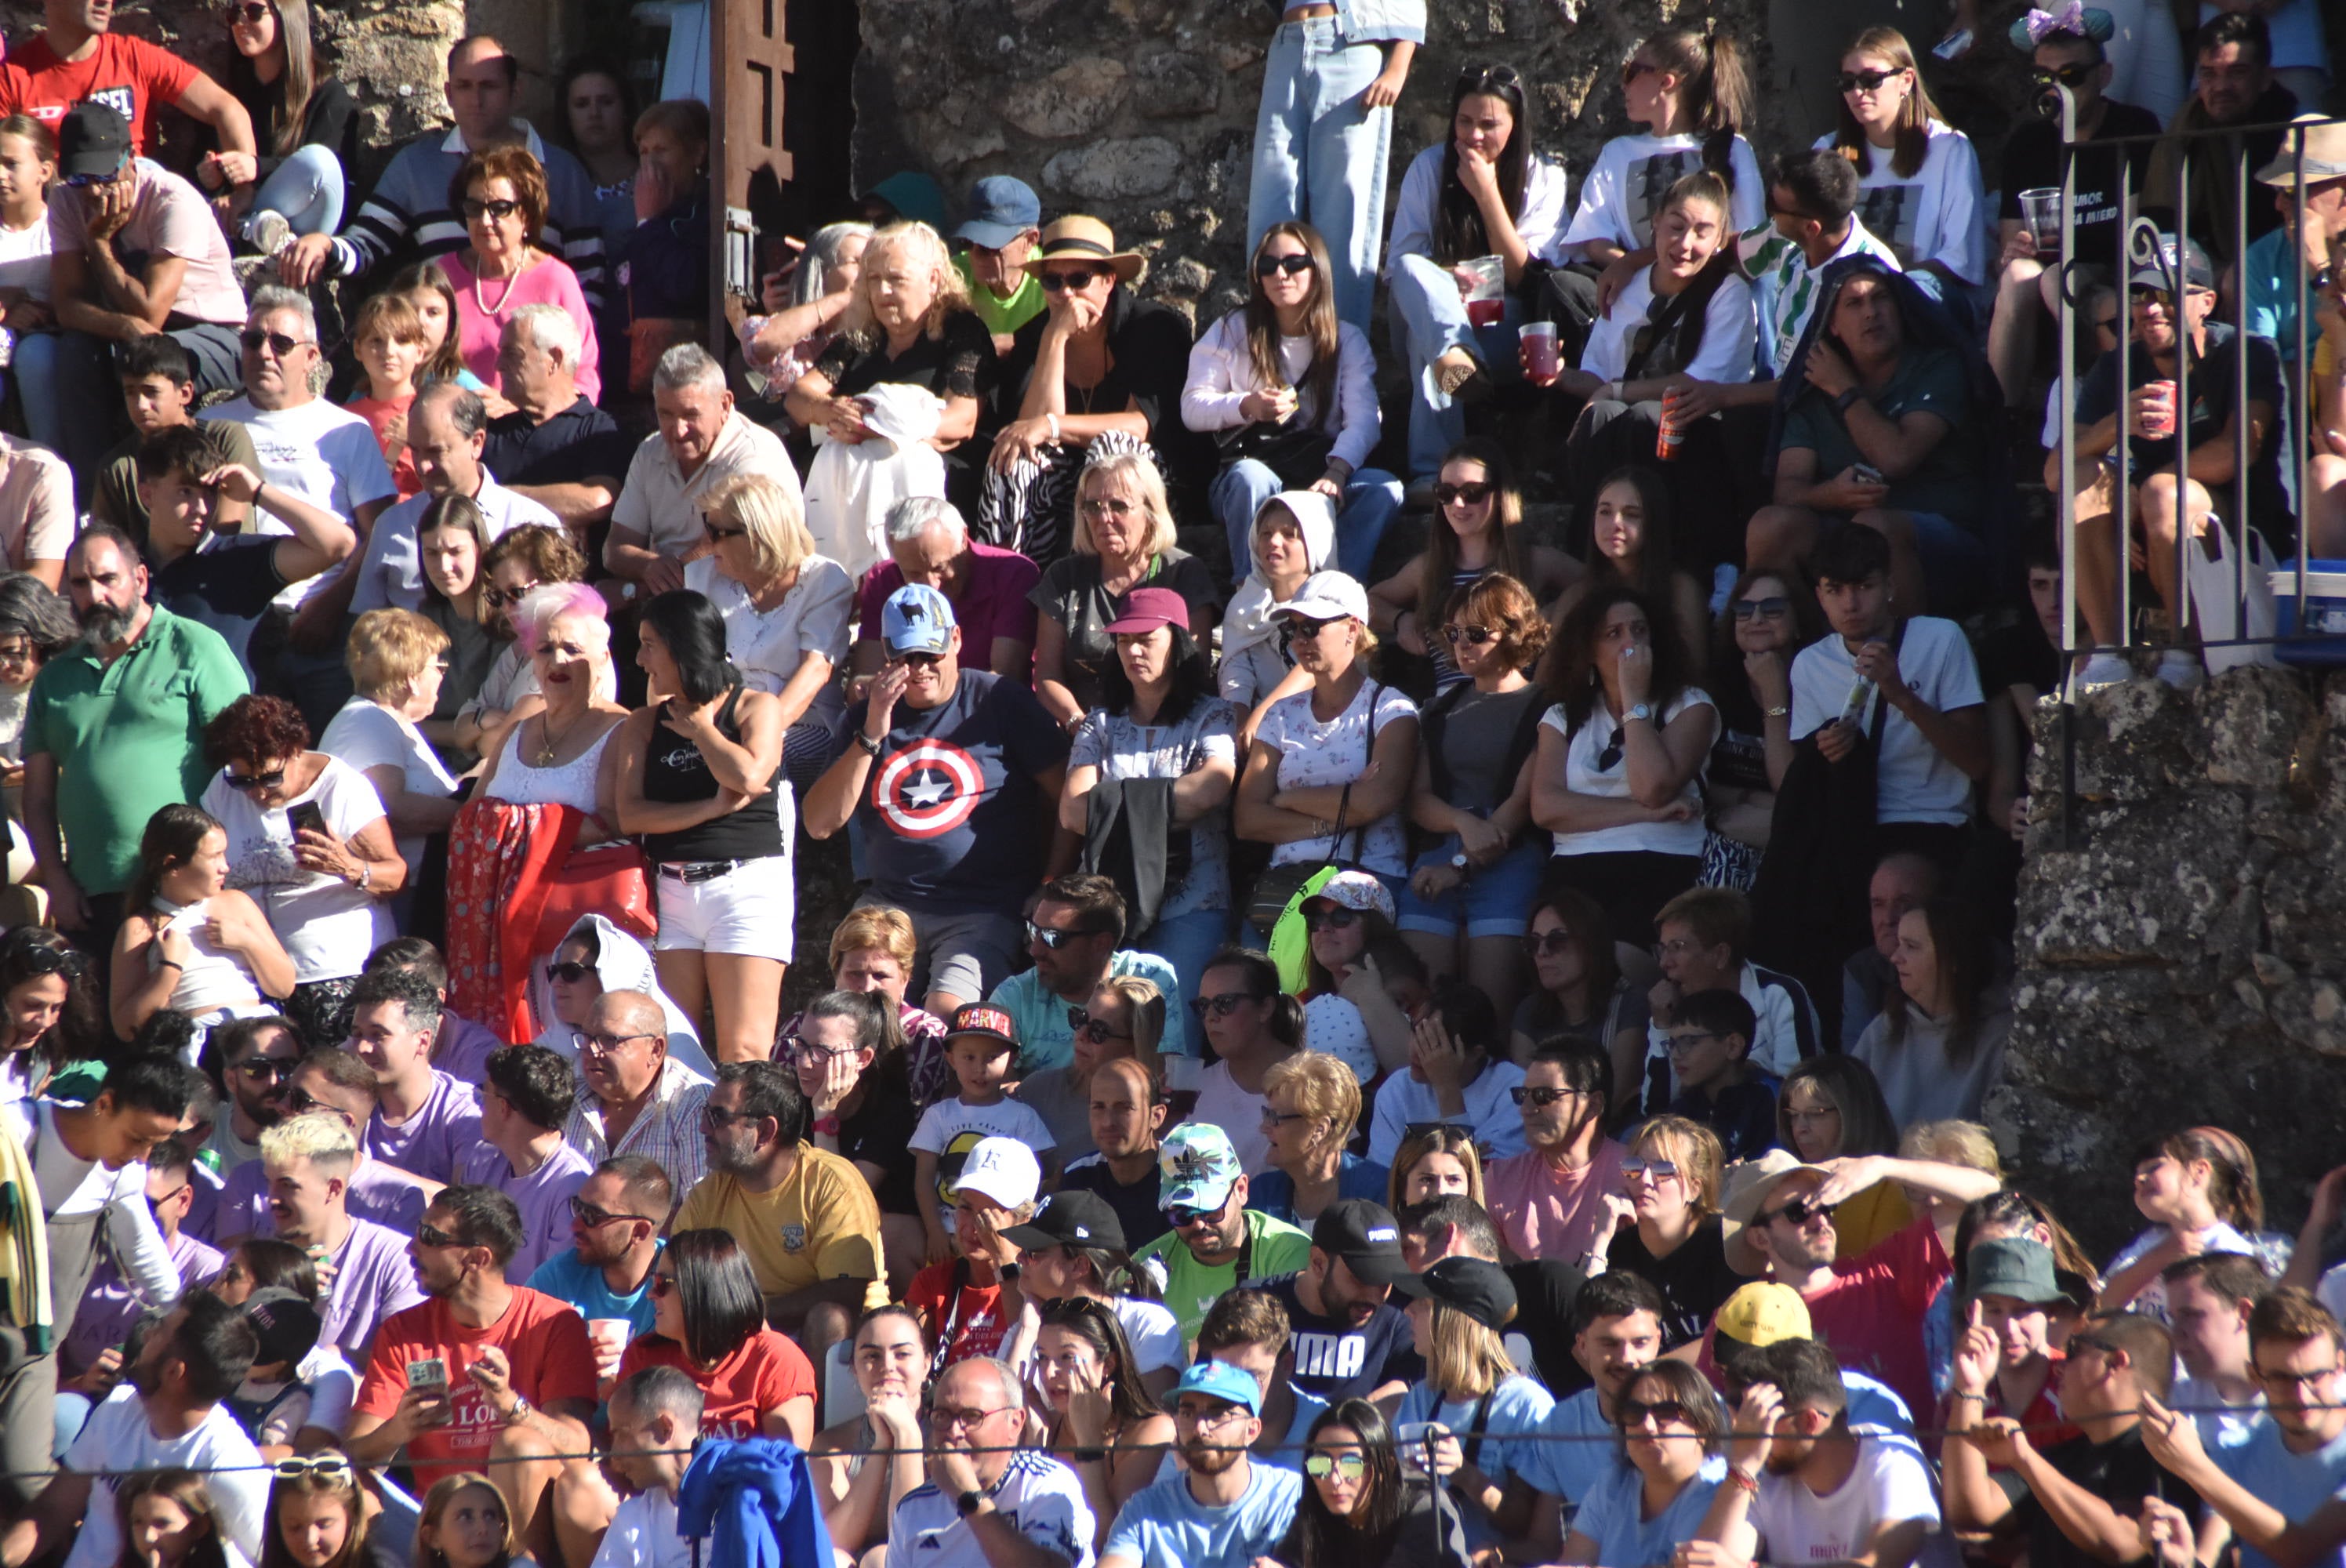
(570, 784)
(213, 979)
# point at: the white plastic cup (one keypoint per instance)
(2040, 210)
(1543, 354)
(609, 1337)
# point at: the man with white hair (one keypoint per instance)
(702, 441)
(987, 1501)
(446, 429)
(929, 543)
(363, 1266)
(556, 447)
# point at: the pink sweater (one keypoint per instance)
(548, 282)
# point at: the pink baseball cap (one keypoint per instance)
(1146, 609)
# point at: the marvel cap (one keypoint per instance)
(1222, 1381)
(1000, 210)
(1071, 1218)
(92, 141)
(986, 1021)
(1196, 1167)
(286, 1324)
(1762, 1314)
(1481, 1290)
(917, 619)
(1003, 1169)
(1365, 1236)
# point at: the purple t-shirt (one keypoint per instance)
(993, 602)
(109, 1305)
(464, 1048)
(373, 1278)
(543, 1196)
(377, 1193)
(430, 1143)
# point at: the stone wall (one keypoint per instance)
(2183, 964)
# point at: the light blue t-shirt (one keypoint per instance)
(1044, 1038)
(582, 1285)
(1510, 1446)
(1610, 1516)
(2292, 1484)
(1580, 1452)
(1163, 1526)
(1289, 1453)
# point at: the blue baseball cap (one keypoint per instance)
(917, 619)
(1000, 210)
(1222, 1381)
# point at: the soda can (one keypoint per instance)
(1672, 433)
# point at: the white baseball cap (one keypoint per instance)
(1325, 596)
(1003, 1169)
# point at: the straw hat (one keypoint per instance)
(1077, 238)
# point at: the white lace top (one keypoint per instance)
(570, 784)
(212, 980)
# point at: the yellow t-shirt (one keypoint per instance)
(821, 1224)
(1880, 1211)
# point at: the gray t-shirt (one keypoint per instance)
(1478, 733)
(1120, 749)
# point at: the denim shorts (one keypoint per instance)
(1493, 901)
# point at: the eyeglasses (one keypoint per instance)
(609, 1045)
(662, 1284)
(1546, 944)
(807, 1050)
(1541, 1098)
(2074, 75)
(1774, 607)
(1610, 758)
(269, 781)
(2090, 1342)
(594, 1218)
(498, 210)
(1320, 1466)
(719, 536)
(570, 972)
(282, 344)
(1474, 636)
(2287, 1379)
(326, 1467)
(1690, 1040)
(1273, 1120)
(1223, 1005)
(1054, 939)
(1866, 81)
(1336, 919)
(1215, 1417)
(498, 598)
(1473, 493)
(1666, 1412)
(1799, 1211)
(1291, 264)
(1091, 1027)
(946, 1419)
(432, 1235)
(1794, 213)
(718, 1118)
(270, 1069)
(1060, 282)
(300, 1102)
(1659, 1170)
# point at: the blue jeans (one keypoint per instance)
(1371, 497)
(1320, 156)
(1185, 941)
(72, 398)
(1429, 320)
(307, 190)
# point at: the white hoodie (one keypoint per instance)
(623, 964)
(1252, 663)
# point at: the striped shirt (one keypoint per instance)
(669, 1130)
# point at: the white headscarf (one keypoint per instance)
(623, 963)
(1248, 620)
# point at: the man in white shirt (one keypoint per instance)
(89, 1162)
(2208, 1299)
(169, 1416)
(702, 441)
(988, 1502)
(656, 1408)
(1804, 1486)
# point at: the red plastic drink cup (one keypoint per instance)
(1543, 356)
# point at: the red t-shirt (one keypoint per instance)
(975, 1322)
(544, 1340)
(767, 1373)
(388, 419)
(130, 75)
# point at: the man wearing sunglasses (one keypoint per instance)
(135, 250)
(257, 1056)
(336, 1083)
(954, 775)
(1216, 1242)
(525, 1100)
(616, 1216)
(1073, 932)
(1222, 1510)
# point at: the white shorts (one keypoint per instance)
(749, 911)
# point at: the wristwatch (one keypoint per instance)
(520, 1410)
(871, 747)
(969, 1503)
(1459, 863)
(1644, 710)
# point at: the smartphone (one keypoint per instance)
(306, 814)
(1866, 473)
(429, 1373)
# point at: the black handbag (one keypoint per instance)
(1278, 887)
(1296, 451)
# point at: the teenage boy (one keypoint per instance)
(159, 390)
(2004, 1364)
(1710, 1051)
(983, 1052)
(2210, 1298)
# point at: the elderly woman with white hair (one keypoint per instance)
(929, 543)
(786, 610)
(1124, 541)
(903, 385)
(536, 845)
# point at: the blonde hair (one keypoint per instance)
(390, 650)
(1466, 1360)
(1140, 471)
(1953, 1143)
(1694, 1149)
(775, 517)
(918, 243)
(444, 1492)
(875, 925)
(325, 1141)
(1319, 1085)
(1148, 1005)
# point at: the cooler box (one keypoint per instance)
(2322, 640)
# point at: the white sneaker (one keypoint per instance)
(2104, 670)
(2181, 669)
(268, 232)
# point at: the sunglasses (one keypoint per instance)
(499, 211)
(1297, 628)
(1098, 1031)
(1473, 493)
(1223, 1005)
(498, 598)
(1182, 1214)
(1474, 77)
(251, 14)
(1666, 1412)
(1060, 282)
(252, 780)
(1799, 1211)
(66, 961)
(1635, 69)
(2162, 297)
(1056, 939)
(1336, 919)
(300, 1102)
(719, 536)
(268, 1069)
(1546, 944)
(594, 1218)
(1773, 608)
(1271, 266)
(432, 1235)
(663, 1285)
(1660, 1170)
(1610, 758)
(1473, 636)
(1866, 81)
(917, 660)
(279, 343)
(1320, 1466)
(1539, 1099)
(328, 1467)
(570, 972)
(83, 181)
(2074, 75)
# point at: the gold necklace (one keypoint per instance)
(547, 744)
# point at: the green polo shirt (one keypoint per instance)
(128, 737)
(1002, 317)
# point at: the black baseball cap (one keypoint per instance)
(92, 139)
(1365, 1235)
(1481, 1290)
(285, 1323)
(1074, 1218)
